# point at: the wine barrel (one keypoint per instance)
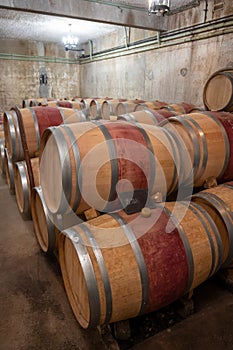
(95, 108)
(143, 116)
(125, 107)
(97, 156)
(155, 105)
(65, 104)
(35, 120)
(206, 141)
(47, 226)
(2, 157)
(43, 224)
(164, 113)
(86, 103)
(119, 266)
(9, 172)
(147, 104)
(218, 202)
(22, 185)
(159, 104)
(75, 98)
(188, 107)
(25, 103)
(178, 108)
(38, 102)
(226, 119)
(218, 91)
(12, 135)
(197, 110)
(108, 108)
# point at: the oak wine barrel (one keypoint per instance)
(25, 103)
(158, 113)
(119, 266)
(142, 116)
(125, 107)
(95, 108)
(38, 102)
(47, 226)
(147, 104)
(35, 120)
(226, 119)
(12, 135)
(207, 143)
(86, 103)
(108, 108)
(94, 171)
(65, 104)
(154, 105)
(218, 202)
(2, 157)
(178, 108)
(22, 185)
(75, 98)
(9, 172)
(159, 104)
(188, 107)
(218, 91)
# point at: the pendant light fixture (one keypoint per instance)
(159, 7)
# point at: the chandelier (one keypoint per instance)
(159, 7)
(71, 43)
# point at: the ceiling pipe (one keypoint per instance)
(127, 37)
(171, 39)
(90, 48)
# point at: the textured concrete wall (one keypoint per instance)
(174, 74)
(20, 74)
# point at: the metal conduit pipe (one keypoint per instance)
(228, 21)
(153, 43)
(90, 48)
(132, 50)
(18, 57)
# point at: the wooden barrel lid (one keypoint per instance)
(218, 91)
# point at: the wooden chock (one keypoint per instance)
(113, 118)
(225, 277)
(210, 182)
(91, 214)
(186, 307)
(122, 330)
(107, 337)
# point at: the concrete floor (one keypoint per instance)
(35, 313)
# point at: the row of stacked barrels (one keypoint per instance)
(36, 119)
(165, 251)
(104, 108)
(119, 265)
